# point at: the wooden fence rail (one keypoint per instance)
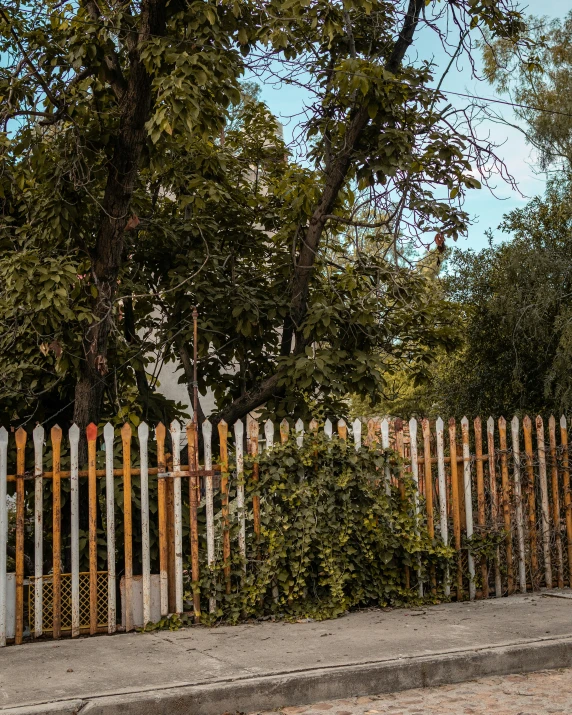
(503, 501)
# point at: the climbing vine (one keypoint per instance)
(332, 536)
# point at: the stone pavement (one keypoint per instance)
(210, 671)
(541, 693)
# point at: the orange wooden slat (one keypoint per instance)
(252, 446)
(56, 435)
(527, 431)
(428, 483)
(194, 499)
(506, 505)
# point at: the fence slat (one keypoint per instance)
(209, 502)
(468, 503)
(443, 496)
(38, 435)
(92, 487)
(342, 429)
(3, 532)
(108, 434)
(73, 436)
(127, 525)
(239, 452)
(544, 508)
(506, 505)
(269, 433)
(518, 505)
(371, 432)
(328, 429)
(566, 490)
(284, 430)
(532, 535)
(253, 432)
(160, 434)
(385, 445)
(481, 504)
(143, 434)
(178, 514)
(429, 490)
(456, 504)
(56, 436)
(400, 448)
(21, 438)
(556, 500)
(194, 499)
(299, 432)
(415, 473)
(356, 429)
(223, 446)
(494, 499)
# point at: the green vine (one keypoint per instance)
(331, 539)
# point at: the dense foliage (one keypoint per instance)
(332, 539)
(130, 191)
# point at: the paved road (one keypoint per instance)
(532, 694)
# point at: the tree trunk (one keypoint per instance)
(135, 105)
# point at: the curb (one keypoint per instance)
(299, 688)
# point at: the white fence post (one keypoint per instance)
(209, 502)
(143, 433)
(468, 503)
(110, 518)
(178, 514)
(442, 482)
(269, 433)
(356, 429)
(385, 445)
(73, 436)
(514, 425)
(299, 432)
(38, 435)
(415, 472)
(239, 449)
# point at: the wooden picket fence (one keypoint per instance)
(471, 482)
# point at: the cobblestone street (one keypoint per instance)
(532, 694)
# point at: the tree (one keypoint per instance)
(513, 302)
(125, 203)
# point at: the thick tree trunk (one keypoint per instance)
(135, 105)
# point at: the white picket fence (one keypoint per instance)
(448, 502)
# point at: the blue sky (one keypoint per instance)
(485, 209)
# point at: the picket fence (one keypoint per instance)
(503, 490)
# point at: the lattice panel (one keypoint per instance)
(66, 615)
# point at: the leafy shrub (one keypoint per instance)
(332, 537)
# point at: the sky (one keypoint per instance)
(486, 208)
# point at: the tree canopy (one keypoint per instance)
(131, 190)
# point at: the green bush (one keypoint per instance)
(332, 538)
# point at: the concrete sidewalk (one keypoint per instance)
(267, 665)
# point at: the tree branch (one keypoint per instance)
(359, 224)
